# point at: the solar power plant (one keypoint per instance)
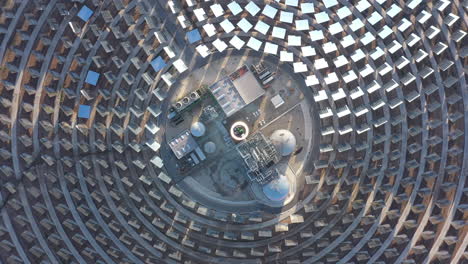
(372, 95)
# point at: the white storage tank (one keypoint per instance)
(198, 129)
(210, 147)
(284, 141)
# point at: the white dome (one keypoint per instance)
(284, 141)
(277, 189)
(198, 129)
(210, 147)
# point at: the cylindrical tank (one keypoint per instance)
(278, 189)
(284, 141)
(210, 147)
(198, 129)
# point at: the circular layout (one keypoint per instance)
(238, 158)
(233, 131)
(239, 131)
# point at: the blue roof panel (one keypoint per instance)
(277, 189)
(92, 77)
(158, 63)
(84, 111)
(193, 36)
(85, 13)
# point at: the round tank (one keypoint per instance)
(277, 189)
(198, 129)
(210, 147)
(284, 141)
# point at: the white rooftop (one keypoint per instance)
(335, 28)
(311, 80)
(343, 12)
(270, 11)
(368, 38)
(307, 8)
(374, 18)
(331, 78)
(244, 25)
(322, 17)
(308, 51)
(320, 96)
(227, 26)
(286, 17)
(278, 32)
(362, 5)
(247, 86)
(157, 161)
(347, 41)
(339, 94)
(316, 35)
(220, 45)
(237, 42)
(254, 43)
(294, 40)
(190, 2)
(180, 65)
(340, 61)
(329, 3)
(277, 101)
(329, 47)
(349, 76)
(405, 24)
(286, 56)
(252, 8)
(209, 29)
(292, 2)
(203, 50)
(271, 48)
(235, 8)
(394, 10)
(302, 24)
(299, 67)
(217, 10)
(262, 27)
(320, 64)
(356, 24)
(377, 53)
(154, 145)
(358, 55)
(384, 32)
(200, 14)
(424, 16)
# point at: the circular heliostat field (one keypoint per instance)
(116, 145)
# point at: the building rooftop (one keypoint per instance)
(193, 36)
(158, 63)
(85, 13)
(237, 90)
(84, 111)
(182, 144)
(92, 77)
